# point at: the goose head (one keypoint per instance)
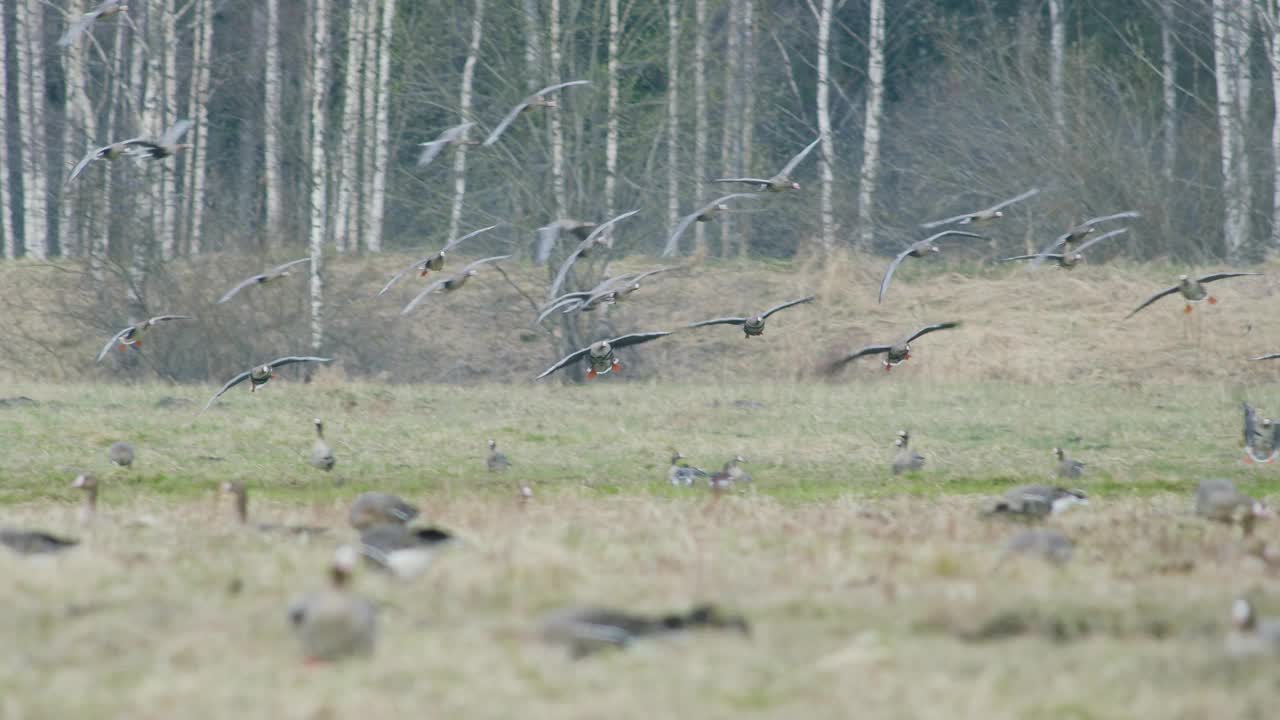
(1242, 616)
(493, 444)
(1057, 452)
(344, 563)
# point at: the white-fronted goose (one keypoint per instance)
(403, 551)
(1066, 467)
(585, 630)
(166, 146)
(371, 509)
(1268, 356)
(782, 180)
(1259, 447)
(432, 262)
(1045, 543)
(906, 459)
(497, 461)
(132, 335)
(274, 273)
(549, 236)
(600, 354)
(451, 283)
(583, 250)
(89, 484)
(1037, 501)
(1219, 500)
(753, 325)
(240, 497)
(706, 213)
(1069, 238)
(456, 135)
(918, 249)
(1192, 290)
(681, 474)
(335, 623)
(120, 454)
(321, 454)
(110, 152)
(981, 216)
(729, 475)
(895, 354)
(1068, 258)
(262, 374)
(82, 24)
(536, 100)
(34, 542)
(608, 291)
(1251, 635)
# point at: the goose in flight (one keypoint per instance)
(456, 135)
(917, 249)
(274, 273)
(600, 354)
(261, 375)
(706, 213)
(132, 335)
(981, 216)
(451, 283)
(166, 146)
(432, 262)
(753, 325)
(896, 353)
(1069, 238)
(779, 182)
(1192, 290)
(536, 100)
(1068, 258)
(583, 250)
(82, 24)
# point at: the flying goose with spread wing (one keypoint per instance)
(918, 249)
(432, 262)
(896, 353)
(456, 135)
(779, 182)
(261, 375)
(1068, 258)
(451, 283)
(583, 250)
(1191, 289)
(753, 325)
(539, 99)
(985, 215)
(263, 278)
(1069, 238)
(706, 213)
(600, 354)
(132, 335)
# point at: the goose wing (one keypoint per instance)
(566, 360)
(888, 273)
(485, 261)
(1100, 238)
(432, 149)
(1268, 356)
(748, 180)
(787, 304)
(998, 206)
(240, 286)
(931, 328)
(291, 359)
(687, 220)
(230, 384)
(1153, 298)
(577, 252)
(637, 338)
(165, 318)
(459, 240)
(175, 133)
(114, 338)
(515, 111)
(868, 350)
(1223, 276)
(1051, 256)
(417, 299)
(799, 158)
(563, 302)
(719, 321)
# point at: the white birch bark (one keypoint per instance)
(200, 117)
(6, 198)
(871, 127)
(1169, 94)
(100, 244)
(344, 223)
(1057, 50)
(464, 106)
(611, 131)
(673, 116)
(28, 25)
(1269, 12)
(273, 113)
(729, 116)
(319, 166)
(826, 151)
(369, 108)
(168, 169)
(77, 133)
(553, 113)
(700, 118)
(1224, 55)
(748, 111)
(532, 46)
(377, 202)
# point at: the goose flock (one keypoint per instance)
(337, 622)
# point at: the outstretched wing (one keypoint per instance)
(557, 86)
(1268, 356)
(799, 158)
(748, 180)
(175, 133)
(417, 299)
(998, 206)
(1061, 240)
(636, 338)
(566, 360)
(107, 348)
(868, 350)
(502, 126)
(473, 265)
(1223, 276)
(786, 305)
(577, 252)
(1153, 298)
(945, 233)
(563, 302)
(888, 273)
(242, 285)
(719, 321)
(1100, 238)
(1051, 256)
(230, 384)
(77, 27)
(164, 318)
(430, 150)
(396, 278)
(281, 362)
(599, 229)
(84, 163)
(458, 241)
(1104, 218)
(277, 270)
(931, 328)
(687, 220)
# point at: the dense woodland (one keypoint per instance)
(308, 114)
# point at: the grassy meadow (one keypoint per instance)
(869, 595)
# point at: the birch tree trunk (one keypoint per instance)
(273, 113)
(29, 26)
(827, 151)
(748, 111)
(319, 165)
(100, 244)
(673, 116)
(728, 118)
(369, 112)
(464, 105)
(1169, 72)
(345, 226)
(377, 203)
(553, 114)
(1057, 49)
(169, 168)
(871, 127)
(200, 116)
(1270, 14)
(611, 132)
(700, 119)
(77, 132)
(1235, 219)
(1242, 71)
(532, 46)
(6, 197)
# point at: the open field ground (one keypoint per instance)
(870, 596)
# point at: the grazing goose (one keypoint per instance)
(120, 454)
(371, 509)
(335, 623)
(782, 180)
(110, 153)
(89, 484)
(1037, 501)
(753, 325)
(729, 476)
(681, 474)
(549, 236)
(497, 461)
(1069, 238)
(1219, 500)
(583, 250)
(585, 630)
(1067, 468)
(132, 335)
(895, 354)
(1067, 259)
(600, 354)
(166, 146)
(1192, 290)
(240, 495)
(274, 273)
(918, 249)
(432, 262)
(451, 283)
(1251, 635)
(1045, 543)
(706, 213)
(906, 460)
(1258, 447)
(34, 542)
(82, 24)
(321, 454)
(403, 551)
(994, 212)
(539, 99)
(261, 375)
(456, 135)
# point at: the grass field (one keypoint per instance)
(870, 596)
